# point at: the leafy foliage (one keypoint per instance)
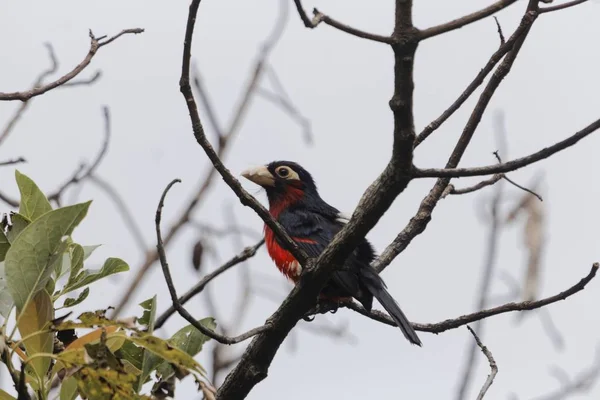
(43, 270)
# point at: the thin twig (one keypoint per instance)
(451, 190)
(557, 7)
(78, 177)
(500, 33)
(506, 178)
(247, 253)
(123, 210)
(509, 165)
(493, 366)
(420, 221)
(224, 231)
(477, 81)
(13, 161)
(320, 17)
(531, 192)
(454, 323)
(95, 44)
(580, 384)
(38, 82)
(207, 103)
(169, 280)
(222, 145)
(290, 110)
(83, 82)
(466, 20)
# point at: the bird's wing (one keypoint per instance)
(312, 233)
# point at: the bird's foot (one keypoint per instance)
(309, 318)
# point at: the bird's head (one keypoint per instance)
(285, 182)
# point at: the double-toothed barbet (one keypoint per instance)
(312, 223)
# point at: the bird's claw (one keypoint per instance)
(309, 318)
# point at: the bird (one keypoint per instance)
(312, 223)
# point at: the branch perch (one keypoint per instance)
(176, 304)
(95, 45)
(493, 366)
(454, 323)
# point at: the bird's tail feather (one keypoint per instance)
(378, 289)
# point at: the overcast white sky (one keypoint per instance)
(342, 84)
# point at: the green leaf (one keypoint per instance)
(188, 339)
(167, 352)
(149, 315)
(69, 302)
(131, 353)
(68, 389)
(4, 245)
(77, 255)
(33, 319)
(6, 301)
(18, 223)
(6, 396)
(32, 253)
(33, 202)
(58, 262)
(149, 359)
(111, 266)
(88, 250)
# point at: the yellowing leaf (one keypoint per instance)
(28, 261)
(107, 384)
(90, 320)
(68, 389)
(33, 202)
(90, 337)
(33, 319)
(6, 396)
(167, 352)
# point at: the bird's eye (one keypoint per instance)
(283, 172)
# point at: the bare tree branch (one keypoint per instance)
(123, 210)
(82, 82)
(557, 7)
(176, 304)
(466, 20)
(582, 383)
(483, 290)
(95, 45)
(494, 368)
(13, 161)
(477, 81)
(225, 140)
(77, 176)
(320, 17)
(509, 165)
(419, 222)
(38, 82)
(451, 190)
(454, 323)
(247, 253)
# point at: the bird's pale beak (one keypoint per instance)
(259, 175)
